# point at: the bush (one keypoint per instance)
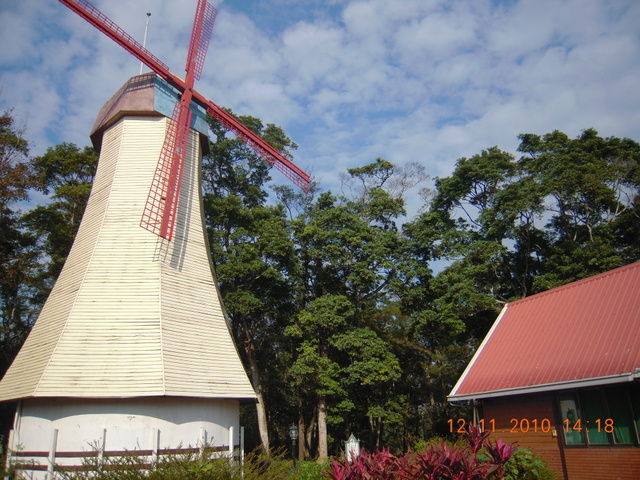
(526, 465)
(310, 471)
(257, 466)
(478, 459)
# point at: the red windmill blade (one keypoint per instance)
(159, 212)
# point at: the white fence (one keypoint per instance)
(45, 464)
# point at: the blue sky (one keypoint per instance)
(425, 81)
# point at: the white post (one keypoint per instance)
(231, 442)
(52, 454)
(144, 42)
(155, 444)
(203, 440)
(241, 445)
(103, 447)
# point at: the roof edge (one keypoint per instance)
(547, 387)
(477, 354)
(242, 397)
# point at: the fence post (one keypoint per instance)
(52, 454)
(203, 440)
(103, 447)
(241, 445)
(155, 444)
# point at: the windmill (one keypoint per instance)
(159, 213)
(132, 351)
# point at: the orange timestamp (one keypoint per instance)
(525, 425)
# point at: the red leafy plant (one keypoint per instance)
(479, 459)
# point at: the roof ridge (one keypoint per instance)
(578, 283)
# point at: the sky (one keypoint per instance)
(426, 81)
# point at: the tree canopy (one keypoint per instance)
(347, 319)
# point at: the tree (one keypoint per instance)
(315, 371)
(18, 258)
(503, 229)
(590, 187)
(351, 254)
(252, 253)
(66, 172)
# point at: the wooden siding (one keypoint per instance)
(513, 414)
(132, 314)
(580, 463)
(598, 463)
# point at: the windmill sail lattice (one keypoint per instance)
(159, 215)
(200, 37)
(197, 52)
(159, 212)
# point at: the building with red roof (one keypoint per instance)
(559, 372)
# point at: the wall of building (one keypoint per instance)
(512, 415)
(602, 463)
(528, 420)
(62, 429)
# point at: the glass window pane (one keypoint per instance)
(620, 412)
(594, 416)
(571, 419)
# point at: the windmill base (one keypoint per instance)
(54, 434)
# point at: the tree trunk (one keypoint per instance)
(302, 431)
(261, 410)
(262, 421)
(312, 429)
(432, 411)
(323, 447)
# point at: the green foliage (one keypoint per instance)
(257, 466)
(254, 258)
(19, 260)
(351, 256)
(526, 465)
(6, 472)
(66, 172)
(310, 471)
(345, 318)
(15, 174)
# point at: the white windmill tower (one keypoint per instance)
(132, 350)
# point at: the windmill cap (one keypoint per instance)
(145, 95)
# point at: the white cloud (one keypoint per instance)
(350, 80)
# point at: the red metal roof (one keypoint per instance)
(583, 333)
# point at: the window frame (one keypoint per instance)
(586, 396)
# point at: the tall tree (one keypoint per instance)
(66, 173)
(252, 253)
(18, 260)
(351, 254)
(590, 186)
(501, 229)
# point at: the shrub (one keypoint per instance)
(310, 471)
(526, 465)
(257, 466)
(479, 459)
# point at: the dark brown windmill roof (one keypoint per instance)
(144, 95)
(583, 333)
